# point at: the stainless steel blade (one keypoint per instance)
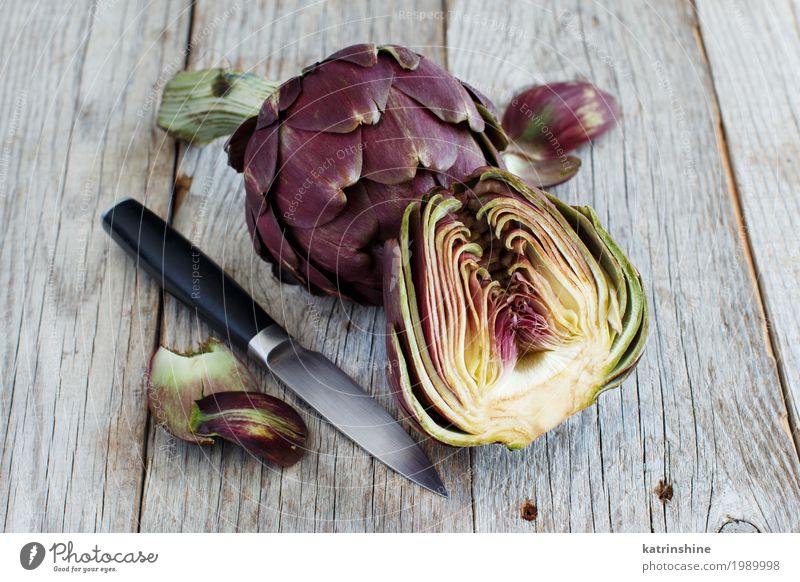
(344, 404)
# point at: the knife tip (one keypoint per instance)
(431, 481)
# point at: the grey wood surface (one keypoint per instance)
(695, 158)
(79, 323)
(757, 88)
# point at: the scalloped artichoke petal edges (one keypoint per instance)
(440, 397)
(274, 176)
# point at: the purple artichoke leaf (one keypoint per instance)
(309, 189)
(263, 425)
(364, 55)
(260, 159)
(236, 145)
(201, 106)
(389, 201)
(470, 157)
(288, 93)
(339, 246)
(342, 98)
(406, 58)
(549, 121)
(408, 136)
(437, 90)
(197, 396)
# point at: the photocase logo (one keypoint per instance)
(31, 555)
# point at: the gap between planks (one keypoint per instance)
(172, 208)
(749, 259)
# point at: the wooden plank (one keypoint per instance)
(336, 487)
(79, 322)
(704, 412)
(761, 125)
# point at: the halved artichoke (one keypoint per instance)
(507, 311)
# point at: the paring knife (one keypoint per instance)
(188, 274)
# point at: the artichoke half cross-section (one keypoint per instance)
(507, 311)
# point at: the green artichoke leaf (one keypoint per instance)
(200, 106)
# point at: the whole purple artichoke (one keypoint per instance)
(335, 155)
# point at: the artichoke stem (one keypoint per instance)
(201, 106)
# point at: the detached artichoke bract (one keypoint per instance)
(332, 158)
(507, 311)
(547, 122)
(210, 393)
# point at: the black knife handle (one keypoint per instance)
(186, 272)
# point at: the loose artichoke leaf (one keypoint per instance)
(176, 380)
(264, 425)
(201, 106)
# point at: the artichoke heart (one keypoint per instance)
(507, 311)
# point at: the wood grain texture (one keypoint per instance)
(79, 322)
(337, 486)
(704, 411)
(760, 134)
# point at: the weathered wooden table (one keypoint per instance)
(700, 184)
